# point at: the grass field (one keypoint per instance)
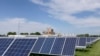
(93, 51)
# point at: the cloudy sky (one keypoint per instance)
(65, 16)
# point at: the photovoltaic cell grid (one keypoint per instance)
(82, 42)
(20, 47)
(88, 39)
(58, 45)
(4, 43)
(69, 47)
(55, 46)
(47, 46)
(38, 45)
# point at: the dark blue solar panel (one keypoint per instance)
(38, 45)
(93, 38)
(58, 45)
(69, 47)
(20, 47)
(47, 45)
(82, 42)
(88, 39)
(4, 43)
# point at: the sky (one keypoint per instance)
(64, 16)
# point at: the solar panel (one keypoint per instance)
(55, 46)
(4, 43)
(47, 46)
(88, 39)
(69, 47)
(82, 42)
(93, 38)
(52, 46)
(58, 45)
(20, 47)
(37, 46)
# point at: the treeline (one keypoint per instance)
(22, 33)
(3, 35)
(87, 35)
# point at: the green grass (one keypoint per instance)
(93, 51)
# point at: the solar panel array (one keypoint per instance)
(91, 40)
(55, 46)
(50, 46)
(83, 42)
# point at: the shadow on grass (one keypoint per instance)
(83, 50)
(32, 54)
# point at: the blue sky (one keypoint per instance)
(65, 16)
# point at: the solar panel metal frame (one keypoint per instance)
(77, 41)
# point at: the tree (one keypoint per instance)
(26, 33)
(37, 33)
(32, 33)
(11, 33)
(94, 35)
(86, 35)
(83, 35)
(23, 33)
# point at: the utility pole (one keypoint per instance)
(18, 28)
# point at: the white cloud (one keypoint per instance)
(11, 24)
(62, 9)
